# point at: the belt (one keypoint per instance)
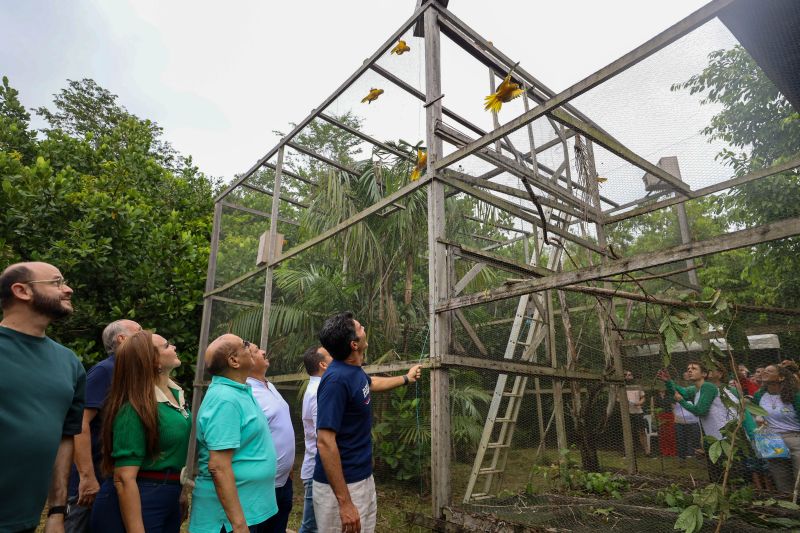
(165, 476)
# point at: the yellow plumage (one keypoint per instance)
(601, 179)
(400, 48)
(422, 162)
(507, 91)
(372, 96)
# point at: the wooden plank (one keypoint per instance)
(287, 172)
(363, 136)
(390, 42)
(671, 34)
(285, 198)
(322, 158)
(235, 301)
(522, 369)
(711, 189)
(271, 249)
(617, 148)
(355, 219)
(723, 243)
(205, 328)
(496, 260)
(468, 277)
(471, 332)
(520, 213)
(256, 212)
(438, 278)
(459, 139)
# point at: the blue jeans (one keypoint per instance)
(161, 511)
(309, 523)
(277, 522)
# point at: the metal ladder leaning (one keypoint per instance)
(505, 399)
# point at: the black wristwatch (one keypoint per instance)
(57, 509)
(405, 379)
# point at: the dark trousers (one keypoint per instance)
(687, 437)
(78, 518)
(277, 523)
(161, 511)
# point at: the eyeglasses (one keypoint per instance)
(58, 282)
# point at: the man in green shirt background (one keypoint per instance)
(42, 391)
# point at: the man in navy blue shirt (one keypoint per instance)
(343, 489)
(85, 477)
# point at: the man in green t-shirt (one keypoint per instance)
(42, 391)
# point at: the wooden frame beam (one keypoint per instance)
(711, 189)
(369, 369)
(519, 213)
(390, 42)
(523, 369)
(724, 243)
(284, 198)
(355, 219)
(256, 212)
(319, 157)
(638, 54)
(365, 137)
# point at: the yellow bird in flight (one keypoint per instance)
(400, 48)
(422, 161)
(372, 96)
(507, 91)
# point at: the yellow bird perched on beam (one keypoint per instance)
(372, 96)
(422, 162)
(507, 91)
(400, 48)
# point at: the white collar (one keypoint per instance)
(162, 398)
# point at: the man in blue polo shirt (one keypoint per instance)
(85, 477)
(343, 489)
(235, 484)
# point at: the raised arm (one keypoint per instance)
(383, 384)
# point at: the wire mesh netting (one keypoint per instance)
(545, 428)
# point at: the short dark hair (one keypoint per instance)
(700, 365)
(11, 275)
(311, 359)
(337, 333)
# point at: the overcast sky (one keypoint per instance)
(219, 77)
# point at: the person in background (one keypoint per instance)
(781, 399)
(145, 437)
(687, 429)
(235, 485)
(316, 360)
(279, 419)
(636, 401)
(749, 387)
(703, 400)
(42, 392)
(662, 402)
(757, 376)
(86, 475)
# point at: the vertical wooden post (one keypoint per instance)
(205, 327)
(437, 276)
(272, 247)
(683, 219)
(558, 385)
(609, 333)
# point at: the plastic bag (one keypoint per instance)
(769, 445)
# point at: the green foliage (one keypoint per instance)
(402, 438)
(763, 129)
(567, 476)
(126, 222)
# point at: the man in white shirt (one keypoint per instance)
(316, 360)
(280, 427)
(636, 401)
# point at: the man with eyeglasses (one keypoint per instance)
(235, 485)
(280, 426)
(45, 383)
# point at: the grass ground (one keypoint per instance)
(395, 499)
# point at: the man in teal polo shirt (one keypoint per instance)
(235, 485)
